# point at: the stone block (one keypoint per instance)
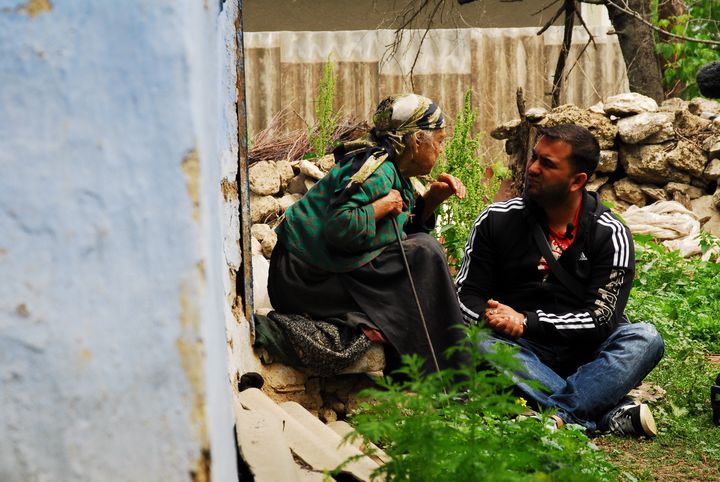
(596, 182)
(286, 173)
(700, 105)
(608, 161)
(692, 192)
(627, 104)
(325, 163)
(505, 130)
(653, 192)
(686, 156)
(599, 125)
(288, 200)
(712, 170)
(263, 209)
(703, 207)
(297, 185)
(264, 178)
(649, 164)
(310, 170)
(629, 192)
(637, 128)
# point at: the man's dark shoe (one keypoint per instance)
(633, 419)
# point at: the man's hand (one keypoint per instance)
(389, 204)
(504, 320)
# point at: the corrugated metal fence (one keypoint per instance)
(284, 70)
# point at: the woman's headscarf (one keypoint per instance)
(395, 117)
(401, 114)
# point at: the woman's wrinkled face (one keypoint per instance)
(426, 151)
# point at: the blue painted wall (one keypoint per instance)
(113, 124)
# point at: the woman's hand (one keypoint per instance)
(444, 187)
(389, 204)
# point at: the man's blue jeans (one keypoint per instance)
(585, 388)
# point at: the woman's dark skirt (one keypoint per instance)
(378, 295)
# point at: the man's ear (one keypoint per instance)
(579, 181)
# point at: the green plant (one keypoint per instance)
(682, 59)
(460, 425)
(481, 179)
(320, 134)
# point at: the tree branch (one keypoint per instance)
(639, 17)
(569, 7)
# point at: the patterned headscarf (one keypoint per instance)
(400, 114)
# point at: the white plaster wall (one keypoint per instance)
(112, 339)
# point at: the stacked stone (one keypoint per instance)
(649, 153)
(274, 187)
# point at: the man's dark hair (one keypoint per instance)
(585, 154)
(708, 80)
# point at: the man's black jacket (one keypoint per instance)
(501, 263)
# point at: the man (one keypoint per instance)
(550, 273)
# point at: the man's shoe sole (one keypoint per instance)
(647, 421)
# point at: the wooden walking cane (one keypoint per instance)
(417, 300)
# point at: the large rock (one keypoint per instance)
(263, 209)
(286, 173)
(687, 157)
(690, 124)
(711, 145)
(267, 237)
(673, 104)
(311, 170)
(535, 114)
(607, 195)
(505, 130)
(325, 163)
(712, 225)
(623, 105)
(648, 163)
(691, 192)
(653, 192)
(666, 133)
(264, 178)
(599, 125)
(288, 200)
(629, 192)
(716, 199)
(700, 105)
(596, 182)
(639, 127)
(608, 161)
(703, 207)
(297, 185)
(712, 170)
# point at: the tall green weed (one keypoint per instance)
(481, 178)
(320, 134)
(459, 425)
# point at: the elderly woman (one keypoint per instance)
(337, 254)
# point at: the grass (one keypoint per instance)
(681, 297)
(468, 432)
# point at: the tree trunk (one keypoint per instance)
(638, 49)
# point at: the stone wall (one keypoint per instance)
(649, 153)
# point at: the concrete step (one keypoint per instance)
(361, 467)
(317, 447)
(343, 428)
(263, 447)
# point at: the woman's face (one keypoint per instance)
(426, 151)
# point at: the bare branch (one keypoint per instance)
(545, 7)
(582, 21)
(569, 8)
(639, 17)
(552, 20)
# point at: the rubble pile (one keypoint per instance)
(650, 152)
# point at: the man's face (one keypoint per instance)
(427, 152)
(550, 176)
